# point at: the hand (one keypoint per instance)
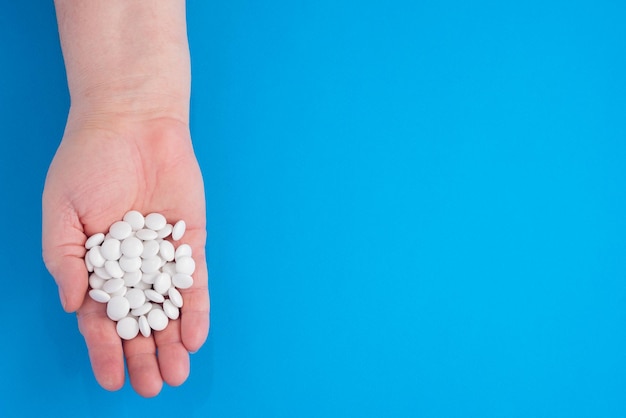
(101, 171)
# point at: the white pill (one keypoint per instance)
(182, 281)
(113, 268)
(131, 247)
(162, 283)
(144, 326)
(157, 319)
(120, 292)
(142, 285)
(183, 250)
(146, 234)
(131, 278)
(120, 230)
(155, 221)
(130, 263)
(113, 285)
(110, 249)
(151, 265)
(88, 264)
(135, 219)
(142, 310)
(149, 278)
(99, 295)
(102, 273)
(154, 296)
(179, 230)
(96, 282)
(170, 310)
(185, 265)
(175, 297)
(135, 297)
(166, 251)
(169, 268)
(150, 249)
(117, 308)
(95, 239)
(127, 328)
(95, 256)
(165, 231)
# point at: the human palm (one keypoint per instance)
(97, 175)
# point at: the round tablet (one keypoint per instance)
(113, 268)
(95, 256)
(102, 273)
(157, 319)
(155, 221)
(135, 219)
(162, 283)
(95, 282)
(120, 230)
(136, 298)
(117, 308)
(95, 239)
(127, 328)
(131, 278)
(151, 265)
(110, 249)
(132, 247)
(113, 285)
(185, 265)
(179, 230)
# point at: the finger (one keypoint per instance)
(196, 307)
(103, 343)
(173, 356)
(63, 252)
(143, 367)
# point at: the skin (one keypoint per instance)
(126, 146)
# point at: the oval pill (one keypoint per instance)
(95, 239)
(144, 326)
(96, 257)
(154, 296)
(155, 221)
(157, 319)
(113, 268)
(170, 310)
(120, 230)
(183, 250)
(99, 295)
(142, 310)
(175, 297)
(166, 251)
(146, 234)
(179, 230)
(127, 328)
(165, 231)
(182, 281)
(102, 273)
(113, 285)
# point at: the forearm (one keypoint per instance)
(126, 57)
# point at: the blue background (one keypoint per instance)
(415, 209)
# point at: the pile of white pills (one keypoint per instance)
(136, 270)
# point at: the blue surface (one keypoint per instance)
(415, 209)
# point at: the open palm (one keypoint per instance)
(97, 175)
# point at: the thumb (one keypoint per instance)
(63, 252)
